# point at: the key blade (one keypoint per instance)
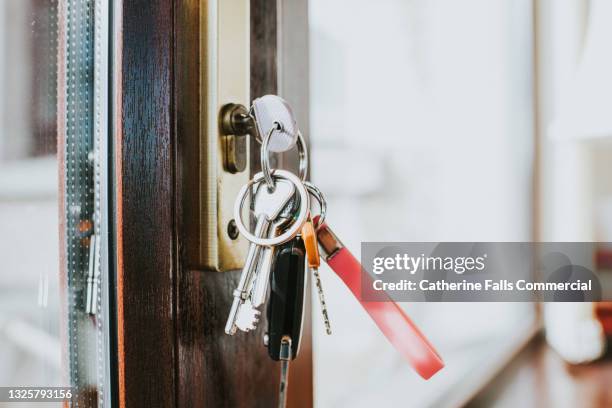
(250, 263)
(260, 288)
(230, 325)
(246, 277)
(261, 284)
(322, 303)
(285, 357)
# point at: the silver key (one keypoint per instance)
(267, 207)
(248, 315)
(319, 286)
(264, 266)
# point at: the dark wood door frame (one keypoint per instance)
(171, 347)
(143, 123)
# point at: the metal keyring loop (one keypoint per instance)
(318, 195)
(295, 228)
(265, 157)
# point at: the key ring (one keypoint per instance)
(295, 228)
(318, 195)
(265, 157)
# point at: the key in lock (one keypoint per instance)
(272, 114)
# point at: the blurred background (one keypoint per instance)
(469, 120)
(30, 352)
(472, 120)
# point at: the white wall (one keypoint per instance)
(421, 125)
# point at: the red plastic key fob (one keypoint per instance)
(399, 329)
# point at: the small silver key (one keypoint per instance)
(248, 315)
(311, 244)
(268, 205)
(260, 288)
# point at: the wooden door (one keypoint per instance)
(171, 347)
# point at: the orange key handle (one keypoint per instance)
(310, 242)
(399, 329)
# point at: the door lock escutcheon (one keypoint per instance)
(235, 125)
(213, 78)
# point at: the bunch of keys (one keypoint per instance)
(285, 243)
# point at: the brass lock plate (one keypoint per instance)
(213, 72)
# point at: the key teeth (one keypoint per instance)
(247, 320)
(253, 325)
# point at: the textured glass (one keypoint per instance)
(50, 198)
(82, 200)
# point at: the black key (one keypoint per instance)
(287, 295)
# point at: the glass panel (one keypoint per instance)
(428, 105)
(82, 255)
(53, 285)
